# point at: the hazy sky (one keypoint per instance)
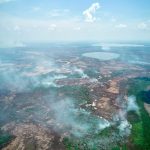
(72, 20)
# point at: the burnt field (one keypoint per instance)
(53, 96)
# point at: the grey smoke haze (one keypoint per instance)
(124, 126)
(121, 118)
(80, 72)
(66, 115)
(22, 77)
(77, 121)
(132, 105)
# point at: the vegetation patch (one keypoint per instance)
(5, 138)
(140, 134)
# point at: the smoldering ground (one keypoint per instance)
(62, 114)
(38, 100)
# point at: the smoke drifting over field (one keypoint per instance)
(132, 105)
(124, 126)
(80, 72)
(68, 117)
(65, 116)
(77, 98)
(121, 117)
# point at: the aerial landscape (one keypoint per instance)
(74, 90)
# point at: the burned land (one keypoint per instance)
(56, 97)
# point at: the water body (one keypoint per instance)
(101, 55)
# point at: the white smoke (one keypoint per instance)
(38, 71)
(123, 125)
(50, 81)
(132, 105)
(121, 116)
(74, 120)
(80, 72)
(104, 124)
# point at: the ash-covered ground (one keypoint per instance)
(70, 96)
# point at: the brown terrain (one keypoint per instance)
(104, 92)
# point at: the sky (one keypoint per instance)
(71, 20)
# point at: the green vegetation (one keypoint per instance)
(146, 96)
(137, 133)
(4, 139)
(107, 131)
(140, 134)
(146, 124)
(92, 73)
(116, 148)
(75, 145)
(31, 110)
(74, 75)
(91, 142)
(80, 93)
(124, 147)
(119, 72)
(137, 85)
